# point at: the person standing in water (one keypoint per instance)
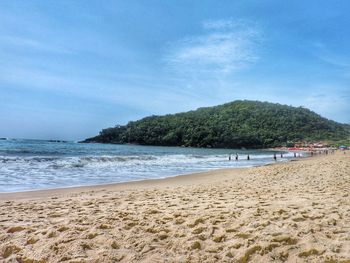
(236, 156)
(248, 157)
(281, 155)
(229, 157)
(274, 157)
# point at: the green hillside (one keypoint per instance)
(250, 124)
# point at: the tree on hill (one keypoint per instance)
(250, 124)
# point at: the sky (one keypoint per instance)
(70, 68)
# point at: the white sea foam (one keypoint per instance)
(39, 165)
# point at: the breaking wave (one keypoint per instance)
(29, 165)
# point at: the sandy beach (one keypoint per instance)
(288, 212)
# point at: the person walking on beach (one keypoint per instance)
(274, 157)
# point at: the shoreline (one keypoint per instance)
(296, 211)
(44, 193)
(38, 172)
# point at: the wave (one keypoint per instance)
(18, 173)
(117, 158)
(96, 159)
(29, 152)
(127, 158)
(28, 159)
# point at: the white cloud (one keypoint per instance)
(225, 47)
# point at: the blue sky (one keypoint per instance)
(71, 68)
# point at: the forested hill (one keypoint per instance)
(250, 124)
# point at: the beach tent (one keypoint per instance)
(342, 147)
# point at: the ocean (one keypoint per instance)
(39, 164)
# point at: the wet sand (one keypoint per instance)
(295, 212)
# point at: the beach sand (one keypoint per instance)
(296, 212)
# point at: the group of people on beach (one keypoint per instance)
(236, 157)
(274, 156)
(324, 151)
(296, 154)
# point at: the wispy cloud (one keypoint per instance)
(224, 47)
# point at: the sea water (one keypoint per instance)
(39, 164)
